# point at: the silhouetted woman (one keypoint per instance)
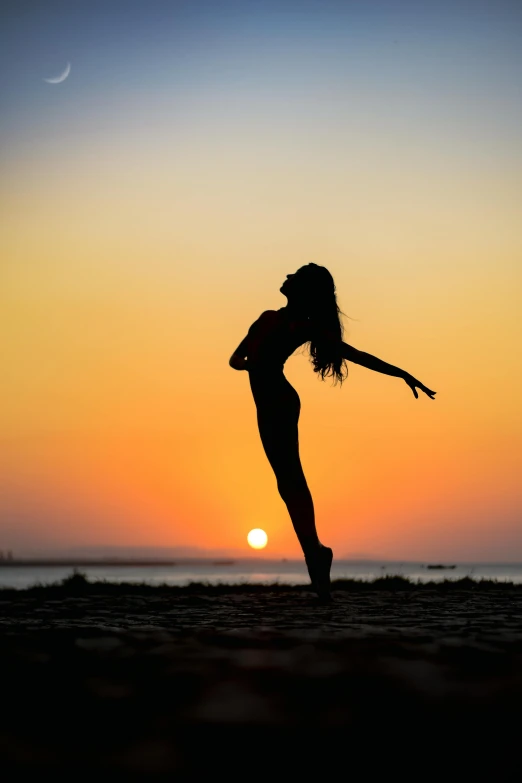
(311, 316)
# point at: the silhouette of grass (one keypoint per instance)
(78, 584)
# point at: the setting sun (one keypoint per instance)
(257, 538)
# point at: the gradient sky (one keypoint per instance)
(151, 206)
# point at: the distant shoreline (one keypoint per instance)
(86, 562)
(82, 563)
(79, 585)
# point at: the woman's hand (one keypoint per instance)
(413, 383)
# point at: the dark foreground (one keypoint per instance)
(130, 682)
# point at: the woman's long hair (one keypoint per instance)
(315, 290)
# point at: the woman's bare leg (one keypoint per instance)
(280, 440)
(298, 500)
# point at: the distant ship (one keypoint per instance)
(223, 562)
(439, 565)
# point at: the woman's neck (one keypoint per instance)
(293, 312)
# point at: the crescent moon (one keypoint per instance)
(62, 77)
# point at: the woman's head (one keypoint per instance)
(311, 290)
(305, 286)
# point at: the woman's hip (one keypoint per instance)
(275, 395)
(279, 411)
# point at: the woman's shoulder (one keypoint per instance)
(266, 318)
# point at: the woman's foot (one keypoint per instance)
(319, 563)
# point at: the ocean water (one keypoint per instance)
(291, 572)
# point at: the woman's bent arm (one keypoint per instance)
(259, 328)
(238, 359)
(238, 362)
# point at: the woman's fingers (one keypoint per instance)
(413, 383)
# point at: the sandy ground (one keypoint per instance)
(159, 683)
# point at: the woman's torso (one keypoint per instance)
(273, 338)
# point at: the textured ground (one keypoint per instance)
(151, 683)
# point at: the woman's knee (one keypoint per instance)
(291, 483)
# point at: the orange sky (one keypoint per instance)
(141, 242)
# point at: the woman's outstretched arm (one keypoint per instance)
(351, 354)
